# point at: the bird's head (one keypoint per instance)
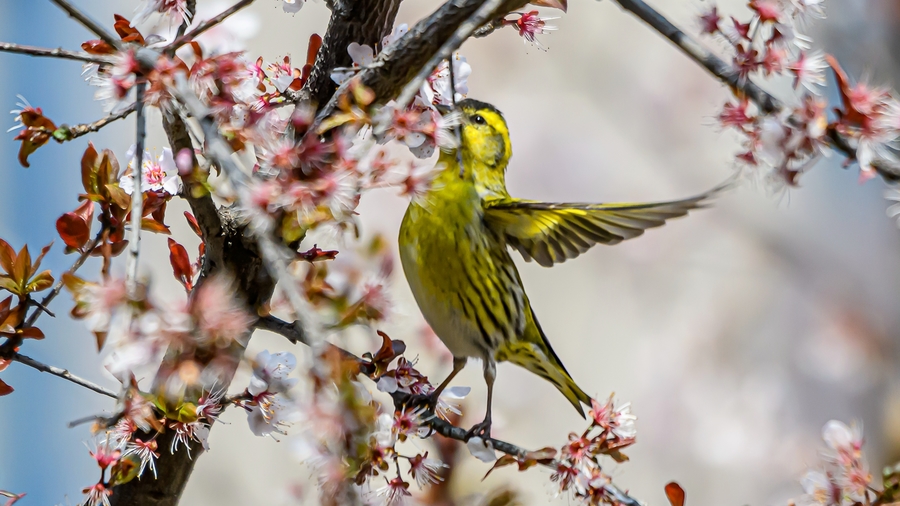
(485, 144)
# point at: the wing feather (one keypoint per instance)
(553, 233)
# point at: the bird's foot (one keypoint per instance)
(482, 430)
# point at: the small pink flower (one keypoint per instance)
(174, 12)
(395, 492)
(735, 115)
(220, 318)
(146, 452)
(106, 454)
(709, 21)
(408, 422)
(160, 175)
(98, 495)
(270, 373)
(768, 10)
(809, 71)
(425, 471)
(530, 25)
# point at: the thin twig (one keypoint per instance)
(88, 249)
(137, 200)
(294, 334)
(73, 132)
(451, 431)
(465, 29)
(59, 52)
(715, 65)
(273, 255)
(62, 373)
(88, 23)
(206, 25)
(767, 103)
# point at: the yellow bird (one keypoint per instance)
(454, 244)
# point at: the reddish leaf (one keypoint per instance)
(503, 461)
(88, 161)
(181, 264)
(36, 133)
(22, 266)
(154, 226)
(4, 388)
(675, 494)
(31, 333)
(37, 262)
(7, 256)
(75, 228)
(315, 254)
(193, 223)
(97, 47)
(315, 42)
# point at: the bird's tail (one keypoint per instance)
(535, 354)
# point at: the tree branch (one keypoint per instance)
(73, 132)
(59, 52)
(484, 13)
(206, 25)
(743, 87)
(62, 373)
(361, 21)
(137, 194)
(294, 333)
(398, 64)
(88, 23)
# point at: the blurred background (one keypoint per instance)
(735, 333)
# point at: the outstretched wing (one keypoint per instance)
(554, 233)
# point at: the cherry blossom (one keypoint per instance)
(270, 373)
(146, 451)
(425, 470)
(809, 71)
(159, 175)
(362, 55)
(394, 493)
(481, 449)
(530, 25)
(172, 12)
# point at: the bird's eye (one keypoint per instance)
(479, 120)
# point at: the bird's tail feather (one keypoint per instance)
(539, 358)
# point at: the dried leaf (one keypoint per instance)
(5, 389)
(31, 333)
(88, 162)
(503, 461)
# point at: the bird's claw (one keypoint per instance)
(482, 430)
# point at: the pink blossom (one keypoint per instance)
(809, 71)
(425, 471)
(617, 420)
(735, 115)
(146, 451)
(395, 492)
(98, 495)
(173, 12)
(362, 56)
(768, 10)
(159, 175)
(709, 21)
(220, 319)
(270, 373)
(530, 25)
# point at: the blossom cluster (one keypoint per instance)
(844, 478)
(782, 144)
(577, 469)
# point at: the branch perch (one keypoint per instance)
(53, 53)
(62, 373)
